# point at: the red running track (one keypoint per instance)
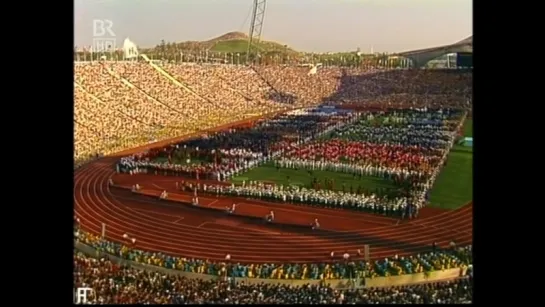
(194, 232)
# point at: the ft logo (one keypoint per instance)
(80, 295)
(103, 35)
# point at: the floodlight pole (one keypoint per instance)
(256, 26)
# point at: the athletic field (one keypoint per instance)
(302, 177)
(454, 185)
(453, 188)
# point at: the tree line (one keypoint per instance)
(192, 52)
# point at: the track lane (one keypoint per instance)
(154, 234)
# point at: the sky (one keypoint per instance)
(304, 25)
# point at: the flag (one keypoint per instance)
(313, 70)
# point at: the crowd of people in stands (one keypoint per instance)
(124, 105)
(406, 88)
(349, 266)
(115, 283)
(120, 284)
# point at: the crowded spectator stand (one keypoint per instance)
(125, 105)
(125, 285)
(121, 105)
(90, 272)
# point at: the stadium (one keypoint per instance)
(262, 182)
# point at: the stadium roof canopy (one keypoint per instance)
(422, 56)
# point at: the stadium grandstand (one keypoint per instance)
(252, 181)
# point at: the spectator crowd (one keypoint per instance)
(340, 267)
(123, 105)
(119, 284)
(116, 283)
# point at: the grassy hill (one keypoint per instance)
(231, 42)
(226, 46)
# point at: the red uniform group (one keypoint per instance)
(408, 157)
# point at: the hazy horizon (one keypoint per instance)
(304, 25)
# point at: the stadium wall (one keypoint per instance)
(334, 283)
(414, 278)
